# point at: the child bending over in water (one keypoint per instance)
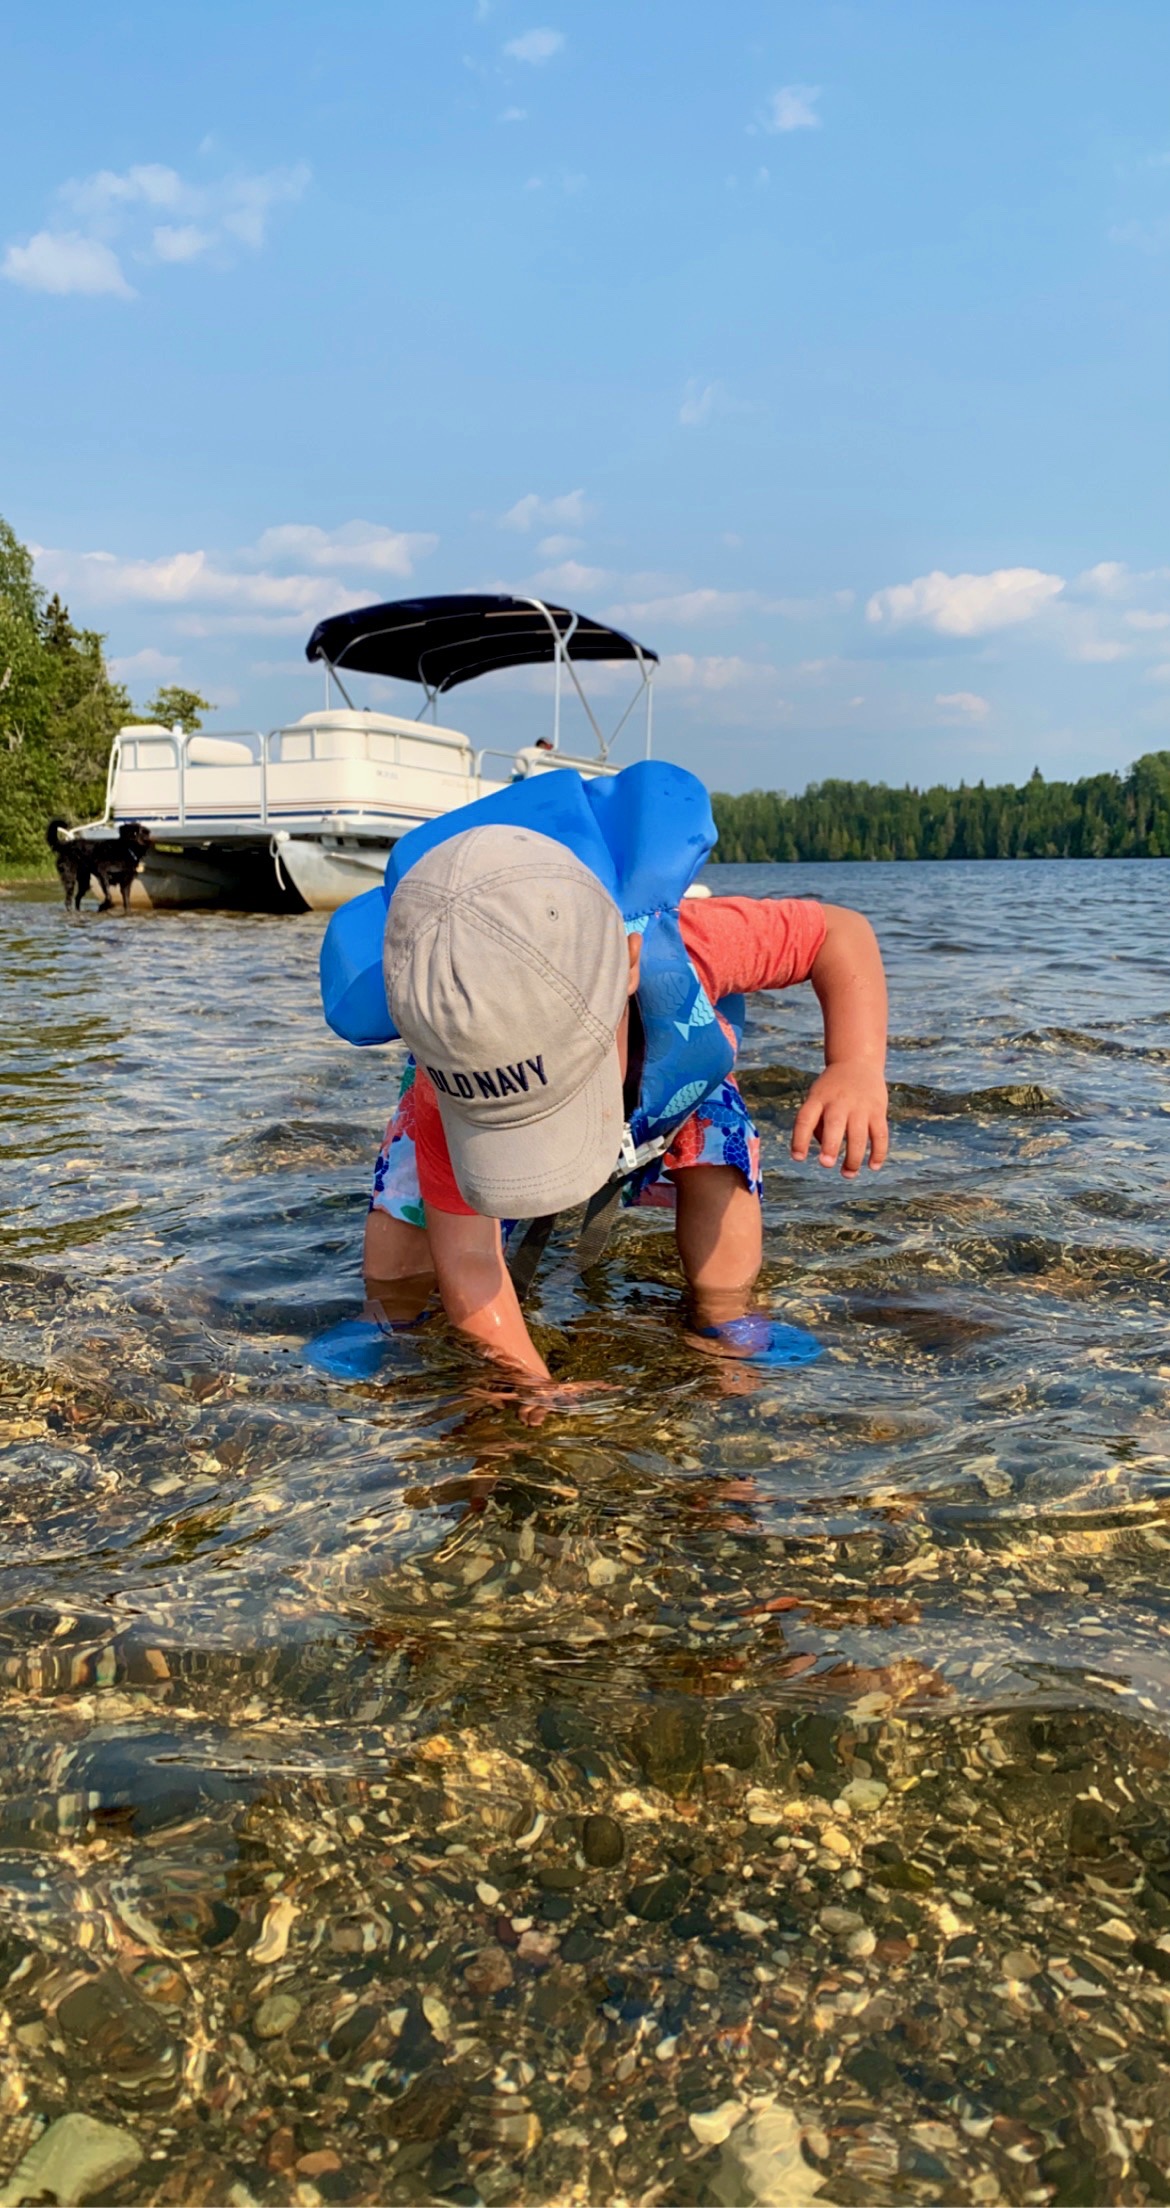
(512, 978)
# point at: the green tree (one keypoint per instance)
(59, 709)
(1103, 816)
(172, 703)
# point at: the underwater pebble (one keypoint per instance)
(272, 1944)
(864, 1795)
(840, 1921)
(762, 2161)
(536, 1947)
(276, 2015)
(711, 2126)
(517, 2128)
(76, 2157)
(603, 1842)
(1020, 1963)
(489, 1972)
(656, 1899)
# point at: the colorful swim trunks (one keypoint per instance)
(721, 1132)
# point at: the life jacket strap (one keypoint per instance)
(526, 1247)
(528, 1243)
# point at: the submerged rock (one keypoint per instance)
(762, 2162)
(603, 1842)
(75, 2158)
(276, 2015)
(655, 1899)
(122, 2035)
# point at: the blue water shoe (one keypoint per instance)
(354, 1349)
(758, 1340)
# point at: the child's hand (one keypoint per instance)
(846, 1103)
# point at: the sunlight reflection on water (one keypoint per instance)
(708, 1743)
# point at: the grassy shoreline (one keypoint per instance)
(15, 871)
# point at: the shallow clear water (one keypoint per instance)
(307, 1690)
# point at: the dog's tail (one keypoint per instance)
(53, 833)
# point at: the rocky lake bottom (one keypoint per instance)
(745, 1787)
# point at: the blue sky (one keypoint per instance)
(823, 346)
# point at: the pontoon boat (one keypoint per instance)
(306, 815)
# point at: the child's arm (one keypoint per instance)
(476, 1288)
(847, 1102)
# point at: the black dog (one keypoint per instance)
(114, 865)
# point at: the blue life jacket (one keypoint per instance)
(645, 833)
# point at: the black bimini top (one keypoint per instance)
(444, 641)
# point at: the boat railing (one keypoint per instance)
(259, 755)
(490, 751)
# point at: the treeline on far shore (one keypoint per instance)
(1103, 816)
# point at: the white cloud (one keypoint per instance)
(809, 609)
(145, 666)
(118, 210)
(513, 115)
(571, 578)
(690, 607)
(292, 576)
(183, 241)
(248, 201)
(1148, 237)
(683, 671)
(963, 705)
(535, 47)
(1093, 650)
(531, 511)
(148, 184)
(687, 606)
(558, 548)
(64, 262)
(1139, 619)
(966, 605)
(699, 402)
(571, 182)
(359, 544)
(176, 579)
(1161, 673)
(793, 107)
(1108, 579)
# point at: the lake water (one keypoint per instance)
(398, 1803)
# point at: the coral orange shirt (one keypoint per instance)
(735, 944)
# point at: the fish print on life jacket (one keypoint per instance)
(645, 833)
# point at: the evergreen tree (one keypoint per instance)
(173, 704)
(59, 709)
(1103, 816)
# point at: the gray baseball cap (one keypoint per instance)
(507, 975)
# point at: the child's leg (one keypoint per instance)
(396, 1255)
(397, 1269)
(393, 1249)
(719, 1227)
